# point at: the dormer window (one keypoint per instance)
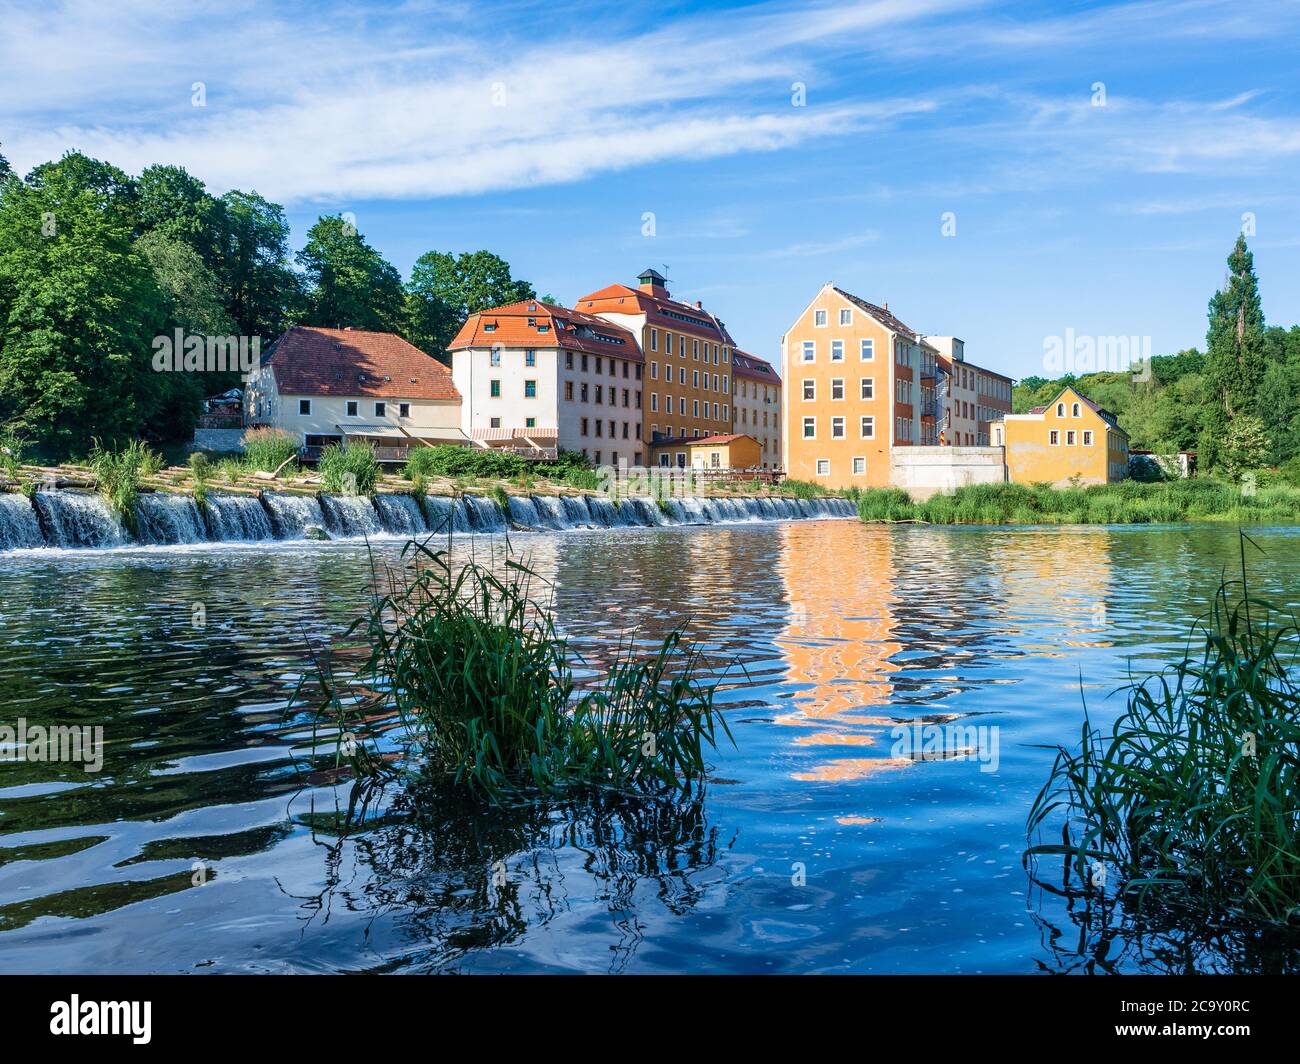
(490, 327)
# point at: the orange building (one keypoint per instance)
(1069, 439)
(687, 353)
(853, 380)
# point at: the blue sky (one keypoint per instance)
(546, 132)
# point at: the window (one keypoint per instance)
(654, 371)
(809, 350)
(494, 422)
(1087, 437)
(654, 402)
(530, 389)
(494, 358)
(819, 318)
(654, 339)
(668, 372)
(809, 389)
(846, 316)
(868, 428)
(823, 467)
(1060, 410)
(530, 422)
(304, 406)
(668, 343)
(568, 360)
(837, 350)
(859, 466)
(530, 359)
(403, 409)
(668, 404)
(837, 428)
(568, 390)
(494, 389)
(695, 383)
(697, 408)
(1070, 438)
(584, 426)
(1074, 410)
(868, 387)
(381, 409)
(352, 408)
(810, 428)
(1054, 437)
(665, 460)
(837, 388)
(868, 350)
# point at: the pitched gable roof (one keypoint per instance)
(885, 318)
(308, 360)
(662, 311)
(752, 367)
(532, 323)
(1096, 408)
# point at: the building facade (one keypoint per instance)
(853, 390)
(687, 355)
(756, 404)
(969, 397)
(330, 385)
(1070, 440)
(537, 377)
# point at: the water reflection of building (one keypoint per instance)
(839, 644)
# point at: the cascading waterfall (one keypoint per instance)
(19, 527)
(400, 514)
(484, 514)
(350, 515)
(163, 518)
(77, 519)
(292, 515)
(81, 519)
(233, 517)
(446, 514)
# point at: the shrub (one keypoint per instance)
(118, 474)
(200, 472)
(1192, 801)
(349, 469)
(11, 454)
(885, 504)
(802, 489)
(482, 683)
(267, 449)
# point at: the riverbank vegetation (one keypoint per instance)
(1189, 805)
(349, 468)
(119, 473)
(1237, 404)
(96, 263)
(1127, 502)
(471, 667)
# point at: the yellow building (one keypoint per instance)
(1069, 439)
(729, 451)
(853, 383)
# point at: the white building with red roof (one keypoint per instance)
(330, 385)
(537, 378)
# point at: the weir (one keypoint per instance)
(78, 519)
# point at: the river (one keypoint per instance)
(206, 844)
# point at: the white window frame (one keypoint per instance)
(811, 419)
(840, 345)
(809, 351)
(818, 467)
(840, 382)
(806, 397)
(872, 426)
(870, 383)
(846, 315)
(862, 461)
(824, 315)
(838, 422)
(867, 350)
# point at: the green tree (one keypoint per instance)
(348, 282)
(1235, 359)
(79, 307)
(263, 293)
(1246, 446)
(177, 206)
(4, 167)
(445, 289)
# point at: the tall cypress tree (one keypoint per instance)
(1235, 359)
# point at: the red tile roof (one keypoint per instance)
(743, 364)
(308, 360)
(665, 313)
(692, 441)
(532, 323)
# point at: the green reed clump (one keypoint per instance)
(350, 468)
(1192, 800)
(200, 476)
(802, 489)
(118, 475)
(267, 449)
(484, 685)
(885, 504)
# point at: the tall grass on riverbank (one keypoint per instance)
(118, 474)
(1127, 502)
(1191, 803)
(476, 672)
(349, 468)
